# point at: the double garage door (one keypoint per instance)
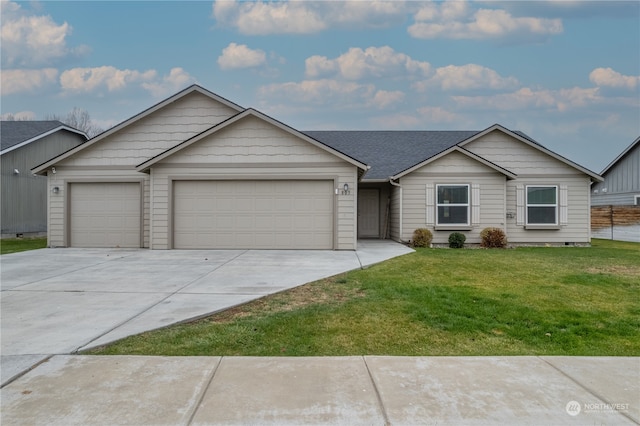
(277, 214)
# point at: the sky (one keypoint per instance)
(567, 73)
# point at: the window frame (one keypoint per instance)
(452, 226)
(556, 205)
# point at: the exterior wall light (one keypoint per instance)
(345, 189)
(55, 189)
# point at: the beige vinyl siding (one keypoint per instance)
(253, 150)
(517, 156)
(454, 168)
(534, 167)
(154, 134)
(577, 229)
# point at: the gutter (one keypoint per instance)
(400, 213)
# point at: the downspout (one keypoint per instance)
(400, 208)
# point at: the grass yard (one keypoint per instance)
(525, 301)
(15, 245)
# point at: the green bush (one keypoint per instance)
(421, 238)
(493, 238)
(456, 240)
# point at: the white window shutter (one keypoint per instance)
(475, 204)
(564, 205)
(430, 205)
(520, 205)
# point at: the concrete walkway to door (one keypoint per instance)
(57, 301)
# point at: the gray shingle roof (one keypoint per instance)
(15, 132)
(390, 152)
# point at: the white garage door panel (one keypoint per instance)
(253, 214)
(105, 214)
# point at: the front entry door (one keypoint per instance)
(368, 213)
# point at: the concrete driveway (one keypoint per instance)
(58, 301)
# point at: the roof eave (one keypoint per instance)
(510, 175)
(594, 176)
(42, 135)
(621, 156)
(188, 90)
(143, 167)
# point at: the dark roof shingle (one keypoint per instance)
(15, 132)
(390, 152)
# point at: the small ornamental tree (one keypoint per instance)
(493, 238)
(422, 238)
(456, 240)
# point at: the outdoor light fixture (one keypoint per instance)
(55, 189)
(346, 187)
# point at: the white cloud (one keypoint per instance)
(525, 98)
(454, 19)
(371, 62)
(177, 79)
(236, 56)
(19, 81)
(383, 98)
(467, 77)
(92, 79)
(259, 18)
(607, 77)
(29, 40)
(305, 17)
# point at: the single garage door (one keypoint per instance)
(104, 214)
(253, 214)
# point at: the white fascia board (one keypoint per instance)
(193, 88)
(594, 176)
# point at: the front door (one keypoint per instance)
(368, 213)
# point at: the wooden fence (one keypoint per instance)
(616, 222)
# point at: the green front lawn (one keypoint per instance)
(14, 245)
(525, 301)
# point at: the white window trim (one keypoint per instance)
(556, 205)
(453, 226)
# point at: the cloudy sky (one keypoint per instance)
(565, 72)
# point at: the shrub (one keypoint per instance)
(493, 238)
(456, 240)
(422, 238)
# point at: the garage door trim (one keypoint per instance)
(177, 178)
(67, 203)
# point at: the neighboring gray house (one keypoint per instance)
(197, 171)
(24, 145)
(615, 202)
(621, 185)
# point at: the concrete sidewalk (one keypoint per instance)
(370, 390)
